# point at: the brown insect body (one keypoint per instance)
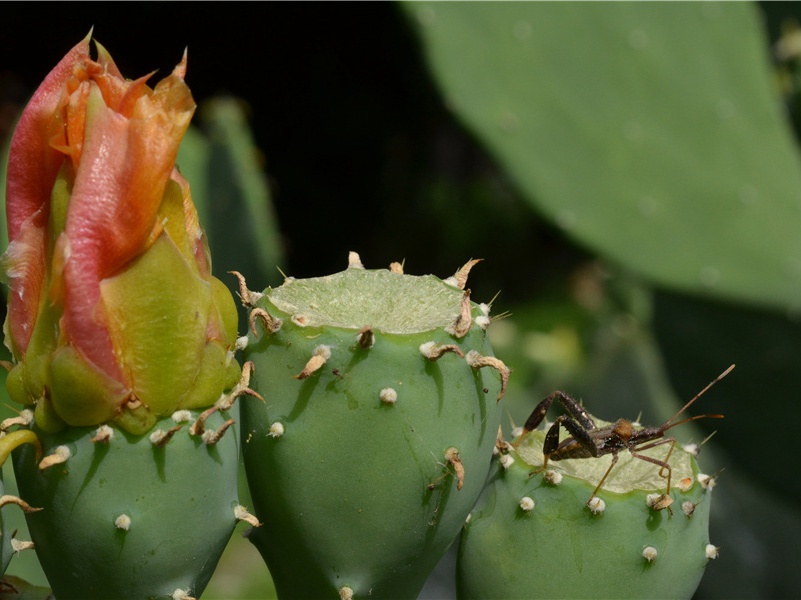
(589, 441)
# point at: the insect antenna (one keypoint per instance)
(669, 423)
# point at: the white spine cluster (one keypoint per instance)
(596, 505)
(388, 395)
(649, 553)
(526, 503)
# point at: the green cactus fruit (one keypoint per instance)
(133, 516)
(376, 432)
(538, 533)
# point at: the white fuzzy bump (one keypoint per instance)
(157, 436)
(649, 553)
(241, 343)
(123, 522)
(276, 430)
(180, 594)
(484, 308)
(104, 432)
(26, 416)
(346, 593)
(688, 508)
(691, 449)
(707, 481)
(651, 499)
(468, 518)
(451, 281)
(323, 350)
(482, 321)
(354, 261)
(506, 461)
(20, 545)
(712, 551)
(596, 505)
(426, 348)
(182, 416)
(388, 395)
(552, 477)
(526, 503)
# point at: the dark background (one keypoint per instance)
(360, 151)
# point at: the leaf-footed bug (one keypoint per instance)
(589, 441)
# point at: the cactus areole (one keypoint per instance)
(376, 433)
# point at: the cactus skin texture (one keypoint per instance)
(180, 499)
(559, 549)
(358, 488)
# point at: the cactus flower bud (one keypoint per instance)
(113, 314)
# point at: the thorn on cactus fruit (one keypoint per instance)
(452, 456)
(123, 522)
(477, 361)
(319, 357)
(365, 338)
(388, 396)
(354, 261)
(9, 499)
(248, 297)
(459, 279)
(24, 418)
(649, 553)
(433, 352)
(161, 438)
(211, 437)
(199, 426)
(269, 323)
(711, 551)
(462, 324)
(60, 455)
(345, 593)
(396, 267)
(20, 545)
(242, 514)
(226, 401)
(103, 435)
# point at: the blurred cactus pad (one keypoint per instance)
(381, 409)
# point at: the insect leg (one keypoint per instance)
(600, 483)
(663, 464)
(539, 412)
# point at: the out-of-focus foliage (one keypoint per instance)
(647, 132)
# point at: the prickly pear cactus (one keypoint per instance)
(535, 536)
(375, 436)
(132, 516)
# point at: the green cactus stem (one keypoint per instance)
(535, 536)
(376, 432)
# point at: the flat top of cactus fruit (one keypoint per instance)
(386, 301)
(630, 473)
